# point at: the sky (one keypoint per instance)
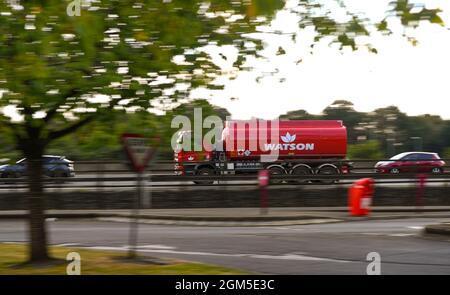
(414, 78)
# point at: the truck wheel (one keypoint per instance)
(328, 170)
(276, 171)
(301, 170)
(204, 172)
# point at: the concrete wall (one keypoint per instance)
(230, 197)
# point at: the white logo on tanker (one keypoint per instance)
(288, 144)
(288, 138)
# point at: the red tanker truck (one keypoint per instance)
(305, 147)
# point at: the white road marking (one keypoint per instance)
(415, 227)
(390, 235)
(401, 235)
(292, 257)
(66, 244)
(284, 228)
(162, 247)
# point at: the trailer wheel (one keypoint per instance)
(205, 171)
(301, 170)
(276, 170)
(328, 170)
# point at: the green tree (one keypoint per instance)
(343, 110)
(444, 136)
(366, 150)
(446, 153)
(299, 115)
(62, 72)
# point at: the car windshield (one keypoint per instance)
(46, 159)
(397, 157)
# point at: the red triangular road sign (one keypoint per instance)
(138, 149)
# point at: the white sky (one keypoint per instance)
(416, 79)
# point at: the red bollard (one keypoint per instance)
(263, 180)
(420, 190)
(360, 196)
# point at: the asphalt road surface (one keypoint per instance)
(338, 248)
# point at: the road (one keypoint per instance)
(339, 248)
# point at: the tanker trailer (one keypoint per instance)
(296, 147)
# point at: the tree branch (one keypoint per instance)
(14, 127)
(72, 128)
(52, 112)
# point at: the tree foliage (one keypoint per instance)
(61, 72)
(367, 150)
(369, 134)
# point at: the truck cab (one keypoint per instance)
(189, 162)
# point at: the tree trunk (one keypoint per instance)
(38, 251)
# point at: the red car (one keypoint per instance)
(412, 162)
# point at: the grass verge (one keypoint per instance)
(13, 256)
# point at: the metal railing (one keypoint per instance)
(117, 174)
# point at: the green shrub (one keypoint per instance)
(370, 149)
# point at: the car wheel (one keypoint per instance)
(394, 171)
(9, 175)
(204, 172)
(59, 174)
(12, 175)
(436, 170)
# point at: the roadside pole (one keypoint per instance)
(421, 183)
(263, 181)
(149, 192)
(134, 224)
(146, 199)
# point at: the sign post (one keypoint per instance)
(139, 152)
